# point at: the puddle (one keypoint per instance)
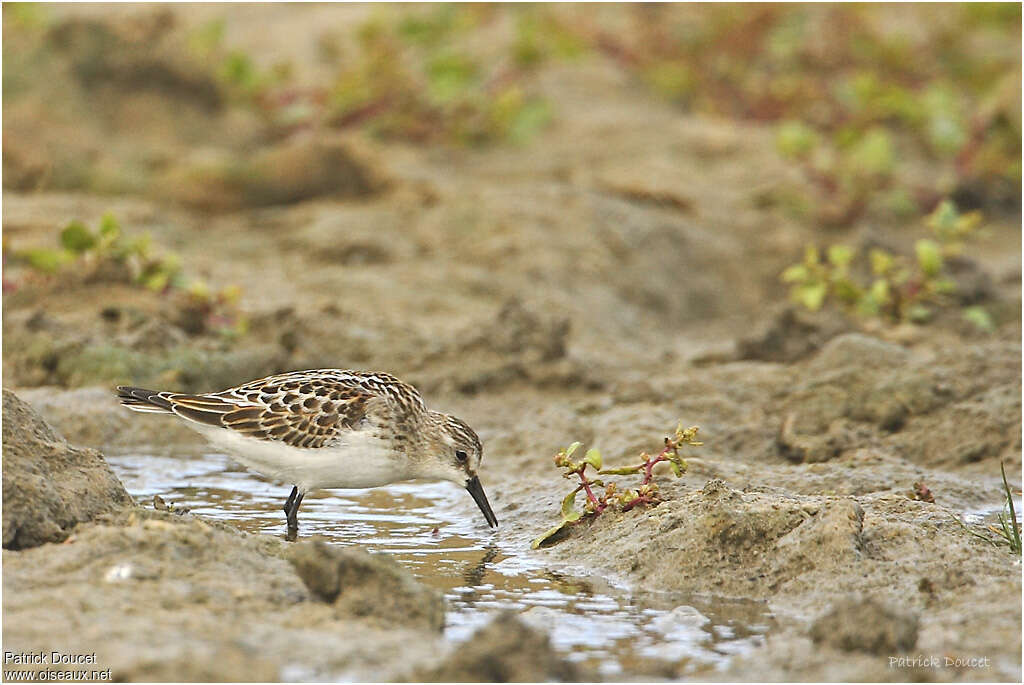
(990, 515)
(436, 531)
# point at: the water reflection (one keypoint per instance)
(474, 575)
(432, 528)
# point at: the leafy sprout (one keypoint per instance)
(646, 494)
(108, 250)
(89, 249)
(887, 285)
(417, 79)
(850, 110)
(1008, 530)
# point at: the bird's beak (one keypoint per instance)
(477, 490)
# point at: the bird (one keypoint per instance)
(328, 428)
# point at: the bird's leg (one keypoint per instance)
(293, 517)
(290, 500)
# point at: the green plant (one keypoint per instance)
(540, 36)
(646, 494)
(216, 311)
(1008, 530)
(236, 70)
(414, 79)
(106, 250)
(862, 113)
(889, 285)
(106, 253)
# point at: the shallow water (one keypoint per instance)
(436, 531)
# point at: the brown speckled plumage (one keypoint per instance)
(300, 408)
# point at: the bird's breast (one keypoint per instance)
(357, 459)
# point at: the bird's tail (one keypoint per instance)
(142, 400)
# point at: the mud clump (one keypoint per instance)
(197, 137)
(92, 416)
(504, 651)
(519, 345)
(291, 171)
(520, 330)
(49, 486)
(156, 353)
(150, 590)
(789, 336)
(723, 528)
(132, 55)
(867, 626)
(830, 539)
(366, 585)
(861, 391)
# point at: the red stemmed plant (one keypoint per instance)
(646, 494)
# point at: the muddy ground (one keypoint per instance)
(613, 276)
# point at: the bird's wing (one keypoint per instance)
(301, 409)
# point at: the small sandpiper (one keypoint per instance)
(328, 428)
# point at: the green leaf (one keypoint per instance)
(947, 134)
(531, 117)
(795, 274)
(929, 256)
(670, 79)
(593, 458)
(77, 238)
(943, 218)
(840, 255)
(876, 298)
(919, 313)
(109, 225)
(676, 468)
(207, 37)
(873, 154)
(795, 139)
(547, 535)
(980, 318)
(1014, 537)
(572, 448)
(238, 71)
(946, 128)
(44, 259)
(880, 290)
(811, 296)
(516, 117)
(569, 512)
(846, 290)
(622, 471)
(136, 247)
(451, 75)
(156, 281)
(881, 261)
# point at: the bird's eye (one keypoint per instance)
(461, 456)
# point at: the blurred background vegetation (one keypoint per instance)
(887, 108)
(904, 117)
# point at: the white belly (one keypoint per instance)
(362, 461)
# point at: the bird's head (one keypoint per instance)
(453, 452)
